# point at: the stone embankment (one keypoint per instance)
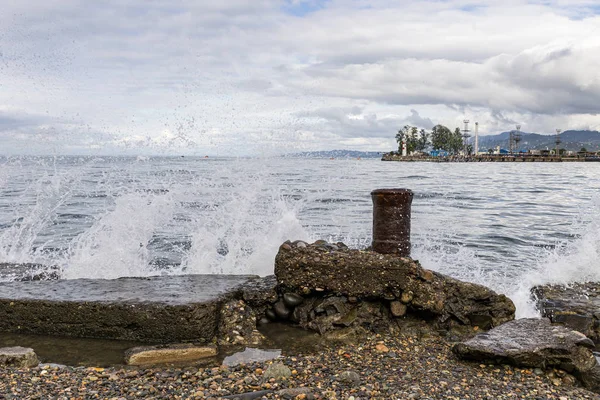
(326, 286)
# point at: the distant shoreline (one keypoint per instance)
(491, 158)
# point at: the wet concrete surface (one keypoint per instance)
(162, 309)
(170, 290)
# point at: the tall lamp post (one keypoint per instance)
(518, 137)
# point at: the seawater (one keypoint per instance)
(507, 226)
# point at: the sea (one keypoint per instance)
(508, 226)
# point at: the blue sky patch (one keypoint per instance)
(303, 7)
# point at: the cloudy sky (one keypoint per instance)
(261, 76)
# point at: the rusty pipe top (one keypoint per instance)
(392, 192)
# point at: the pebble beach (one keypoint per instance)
(372, 367)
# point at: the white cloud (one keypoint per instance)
(238, 77)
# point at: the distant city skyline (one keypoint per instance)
(277, 76)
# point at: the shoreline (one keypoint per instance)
(372, 366)
(488, 158)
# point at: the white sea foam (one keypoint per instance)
(243, 231)
(117, 243)
(575, 261)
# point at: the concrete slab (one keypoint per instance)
(160, 309)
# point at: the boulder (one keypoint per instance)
(534, 343)
(19, 357)
(322, 270)
(168, 354)
(576, 306)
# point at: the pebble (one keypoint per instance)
(292, 299)
(381, 348)
(277, 371)
(432, 373)
(349, 377)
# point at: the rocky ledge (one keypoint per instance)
(325, 286)
(576, 306)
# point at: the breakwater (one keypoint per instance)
(489, 158)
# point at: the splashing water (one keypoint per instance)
(246, 225)
(33, 212)
(112, 217)
(117, 244)
(565, 263)
(562, 262)
(231, 220)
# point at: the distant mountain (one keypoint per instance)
(571, 140)
(337, 154)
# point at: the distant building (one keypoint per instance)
(438, 153)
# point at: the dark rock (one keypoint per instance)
(292, 299)
(530, 343)
(292, 393)
(281, 310)
(270, 314)
(370, 275)
(19, 357)
(332, 305)
(483, 321)
(591, 379)
(534, 343)
(576, 306)
(249, 395)
(302, 313)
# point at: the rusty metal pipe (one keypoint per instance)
(391, 221)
